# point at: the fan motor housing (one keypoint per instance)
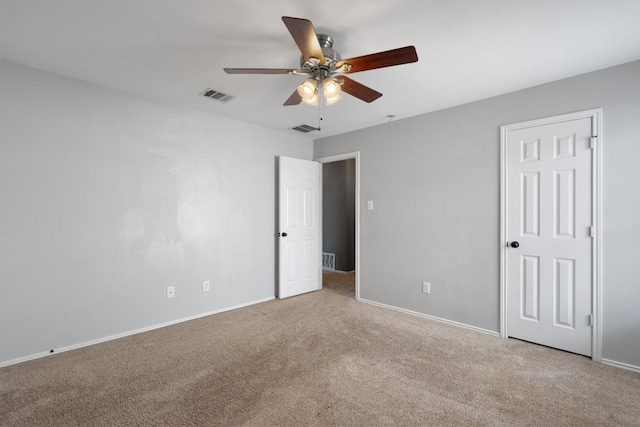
(331, 57)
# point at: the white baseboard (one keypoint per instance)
(437, 319)
(614, 363)
(484, 331)
(129, 333)
(627, 366)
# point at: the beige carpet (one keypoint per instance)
(319, 359)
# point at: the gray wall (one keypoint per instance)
(107, 199)
(435, 181)
(338, 212)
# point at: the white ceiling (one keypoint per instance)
(171, 50)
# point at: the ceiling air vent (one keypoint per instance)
(305, 128)
(218, 96)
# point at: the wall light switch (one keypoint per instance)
(369, 205)
(171, 291)
(426, 287)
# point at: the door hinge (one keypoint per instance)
(592, 231)
(591, 320)
(592, 141)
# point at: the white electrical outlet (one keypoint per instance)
(205, 286)
(426, 287)
(171, 291)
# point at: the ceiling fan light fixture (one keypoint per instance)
(311, 101)
(307, 89)
(329, 101)
(331, 88)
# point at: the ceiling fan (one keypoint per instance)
(326, 69)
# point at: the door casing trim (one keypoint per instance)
(596, 212)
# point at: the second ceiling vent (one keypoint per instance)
(218, 96)
(305, 128)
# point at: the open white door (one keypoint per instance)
(299, 245)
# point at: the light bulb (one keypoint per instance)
(331, 88)
(307, 89)
(333, 100)
(311, 101)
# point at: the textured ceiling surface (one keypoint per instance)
(172, 50)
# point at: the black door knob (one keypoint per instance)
(515, 244)
(284, 234)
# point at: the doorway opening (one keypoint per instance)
(340, 223)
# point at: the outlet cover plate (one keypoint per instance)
(205, 286)
(171, 291)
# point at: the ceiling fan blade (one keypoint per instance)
(258, 70)
(305, 37)
(294, 99)
(359, 90)
(389, 58)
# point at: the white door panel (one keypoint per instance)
(299, 222)
(549, 214)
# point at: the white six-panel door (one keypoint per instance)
(299, 245)
(549, 231)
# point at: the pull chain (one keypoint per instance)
(320, 96)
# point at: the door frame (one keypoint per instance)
(336, 158)
(596, 192)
